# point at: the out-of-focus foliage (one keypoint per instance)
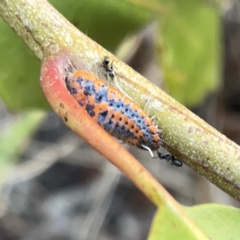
(188, 41)
(106, 22)
(19, 73)
(170, 225)
(15, 137)
(217, 221)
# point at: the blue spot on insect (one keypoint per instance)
(101, 96)
(89, 88)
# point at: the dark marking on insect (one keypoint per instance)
(102, 116)
(90, 110)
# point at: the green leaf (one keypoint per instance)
(189, 40)
(171, 226)
(19, 75)
(108, 22)
(217, 221)
(15, 137)
(190, 53)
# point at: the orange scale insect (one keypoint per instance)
(112, 110)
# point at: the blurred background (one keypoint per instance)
(56, 187)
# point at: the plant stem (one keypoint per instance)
(199, 145)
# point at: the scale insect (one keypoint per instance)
(116, 113)
(112, 110)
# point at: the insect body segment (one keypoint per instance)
(116, 113)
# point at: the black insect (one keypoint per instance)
(169, 157)
(108, 67)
